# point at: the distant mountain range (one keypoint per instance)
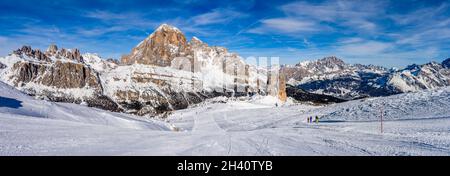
(332, 76)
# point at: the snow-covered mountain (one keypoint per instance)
(164, 72)
(331, 76)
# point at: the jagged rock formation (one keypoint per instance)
(27, 51)
(164, 72)
(331, 76)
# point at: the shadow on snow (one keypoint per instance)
(10, 103)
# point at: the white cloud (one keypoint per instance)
(121, 19)
(356, 16)
(217, 16)
(364, 48)
(100, 30)
(285, 25)
(107, 15)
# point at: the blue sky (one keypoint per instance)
(389, 33)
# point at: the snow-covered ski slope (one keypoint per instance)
(16, 104)
(416, 124)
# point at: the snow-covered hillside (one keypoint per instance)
(416, 124)
(15, 104)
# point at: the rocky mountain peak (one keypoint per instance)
(52, 49)
(195, 42)
(160, 48)
(332, 60)
(167, 28)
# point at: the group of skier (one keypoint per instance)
(310, 119)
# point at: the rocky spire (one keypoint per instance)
(52, 49)
(76, 55)
(28, 51)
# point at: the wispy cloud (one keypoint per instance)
(285, 25)
(308, 16)
(98, 31)
(217, 16)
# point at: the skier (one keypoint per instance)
(317, 119)
(307, 119)
(310, 119)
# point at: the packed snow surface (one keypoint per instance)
(414, 124)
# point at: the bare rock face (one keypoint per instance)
(53, 75)
(160, 48)
(2, 66)
(60, 75)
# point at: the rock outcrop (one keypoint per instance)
(53, 75)
(59, 75)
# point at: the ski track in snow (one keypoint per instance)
(39, 127)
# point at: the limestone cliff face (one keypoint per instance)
(58, 75)
(160, 48)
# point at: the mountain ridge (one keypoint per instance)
(153, 79)
(332, 76)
